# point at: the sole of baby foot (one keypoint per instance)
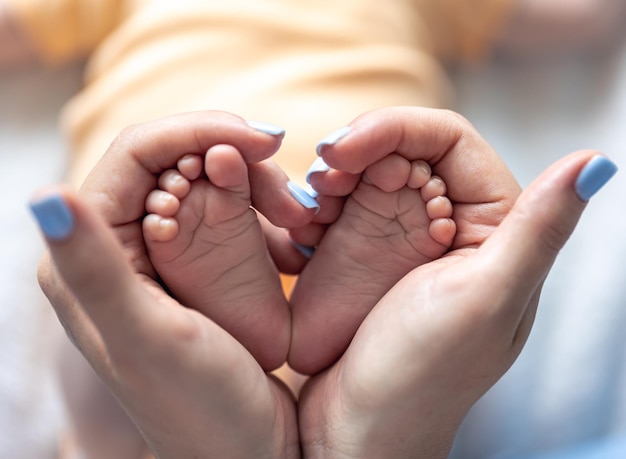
(396, 219)
(207, 246)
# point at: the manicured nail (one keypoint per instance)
(318, 166)
(305, 250)
(267, 128)
(301, 195)
(594, 176)
(311, 191)
(54, 216)
(332, 138)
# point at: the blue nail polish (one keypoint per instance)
(594, 176)
(311, 192)
(306, 251)
(332, 138)
(267, 128)
(318, 166)
(54, 216)
(302, 196)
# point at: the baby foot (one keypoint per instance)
(396, 219)
(206, 243)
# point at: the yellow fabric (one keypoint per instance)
(309, 66)
(65, 29)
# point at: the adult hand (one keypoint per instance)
(444, 334)
(192, 389)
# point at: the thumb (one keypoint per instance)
(525, 245)
(87, 270)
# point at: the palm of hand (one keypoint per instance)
(439, 338)
(176, 372)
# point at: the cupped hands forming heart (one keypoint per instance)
(418, 296)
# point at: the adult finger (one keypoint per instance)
(89, 278)
(479, 184)
(283, 202)
(143, 151)
(446, 140)
(523, 248)
(417, 132)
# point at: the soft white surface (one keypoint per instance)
(31, 154)
(569, 384)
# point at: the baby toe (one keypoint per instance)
(433, 188)
(159, 229)
(162, 203)
(190, 166)
(439, 207)
(174, 183)
(388, 174)
(226, 168)
(443, 230)
(420, 174)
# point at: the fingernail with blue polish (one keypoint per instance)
(267, 128)
(305, 250)
(594, 176)
(318, 166)
(311, 192)
(332, 138)
(301, 195)
(54, 216)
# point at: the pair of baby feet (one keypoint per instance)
(207, 245)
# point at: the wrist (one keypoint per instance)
(380, 446)
(348, 430)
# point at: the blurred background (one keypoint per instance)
(32, 154)
(568, 388)
(567, 392)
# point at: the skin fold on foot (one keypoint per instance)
(395, 219)
(207, 245)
